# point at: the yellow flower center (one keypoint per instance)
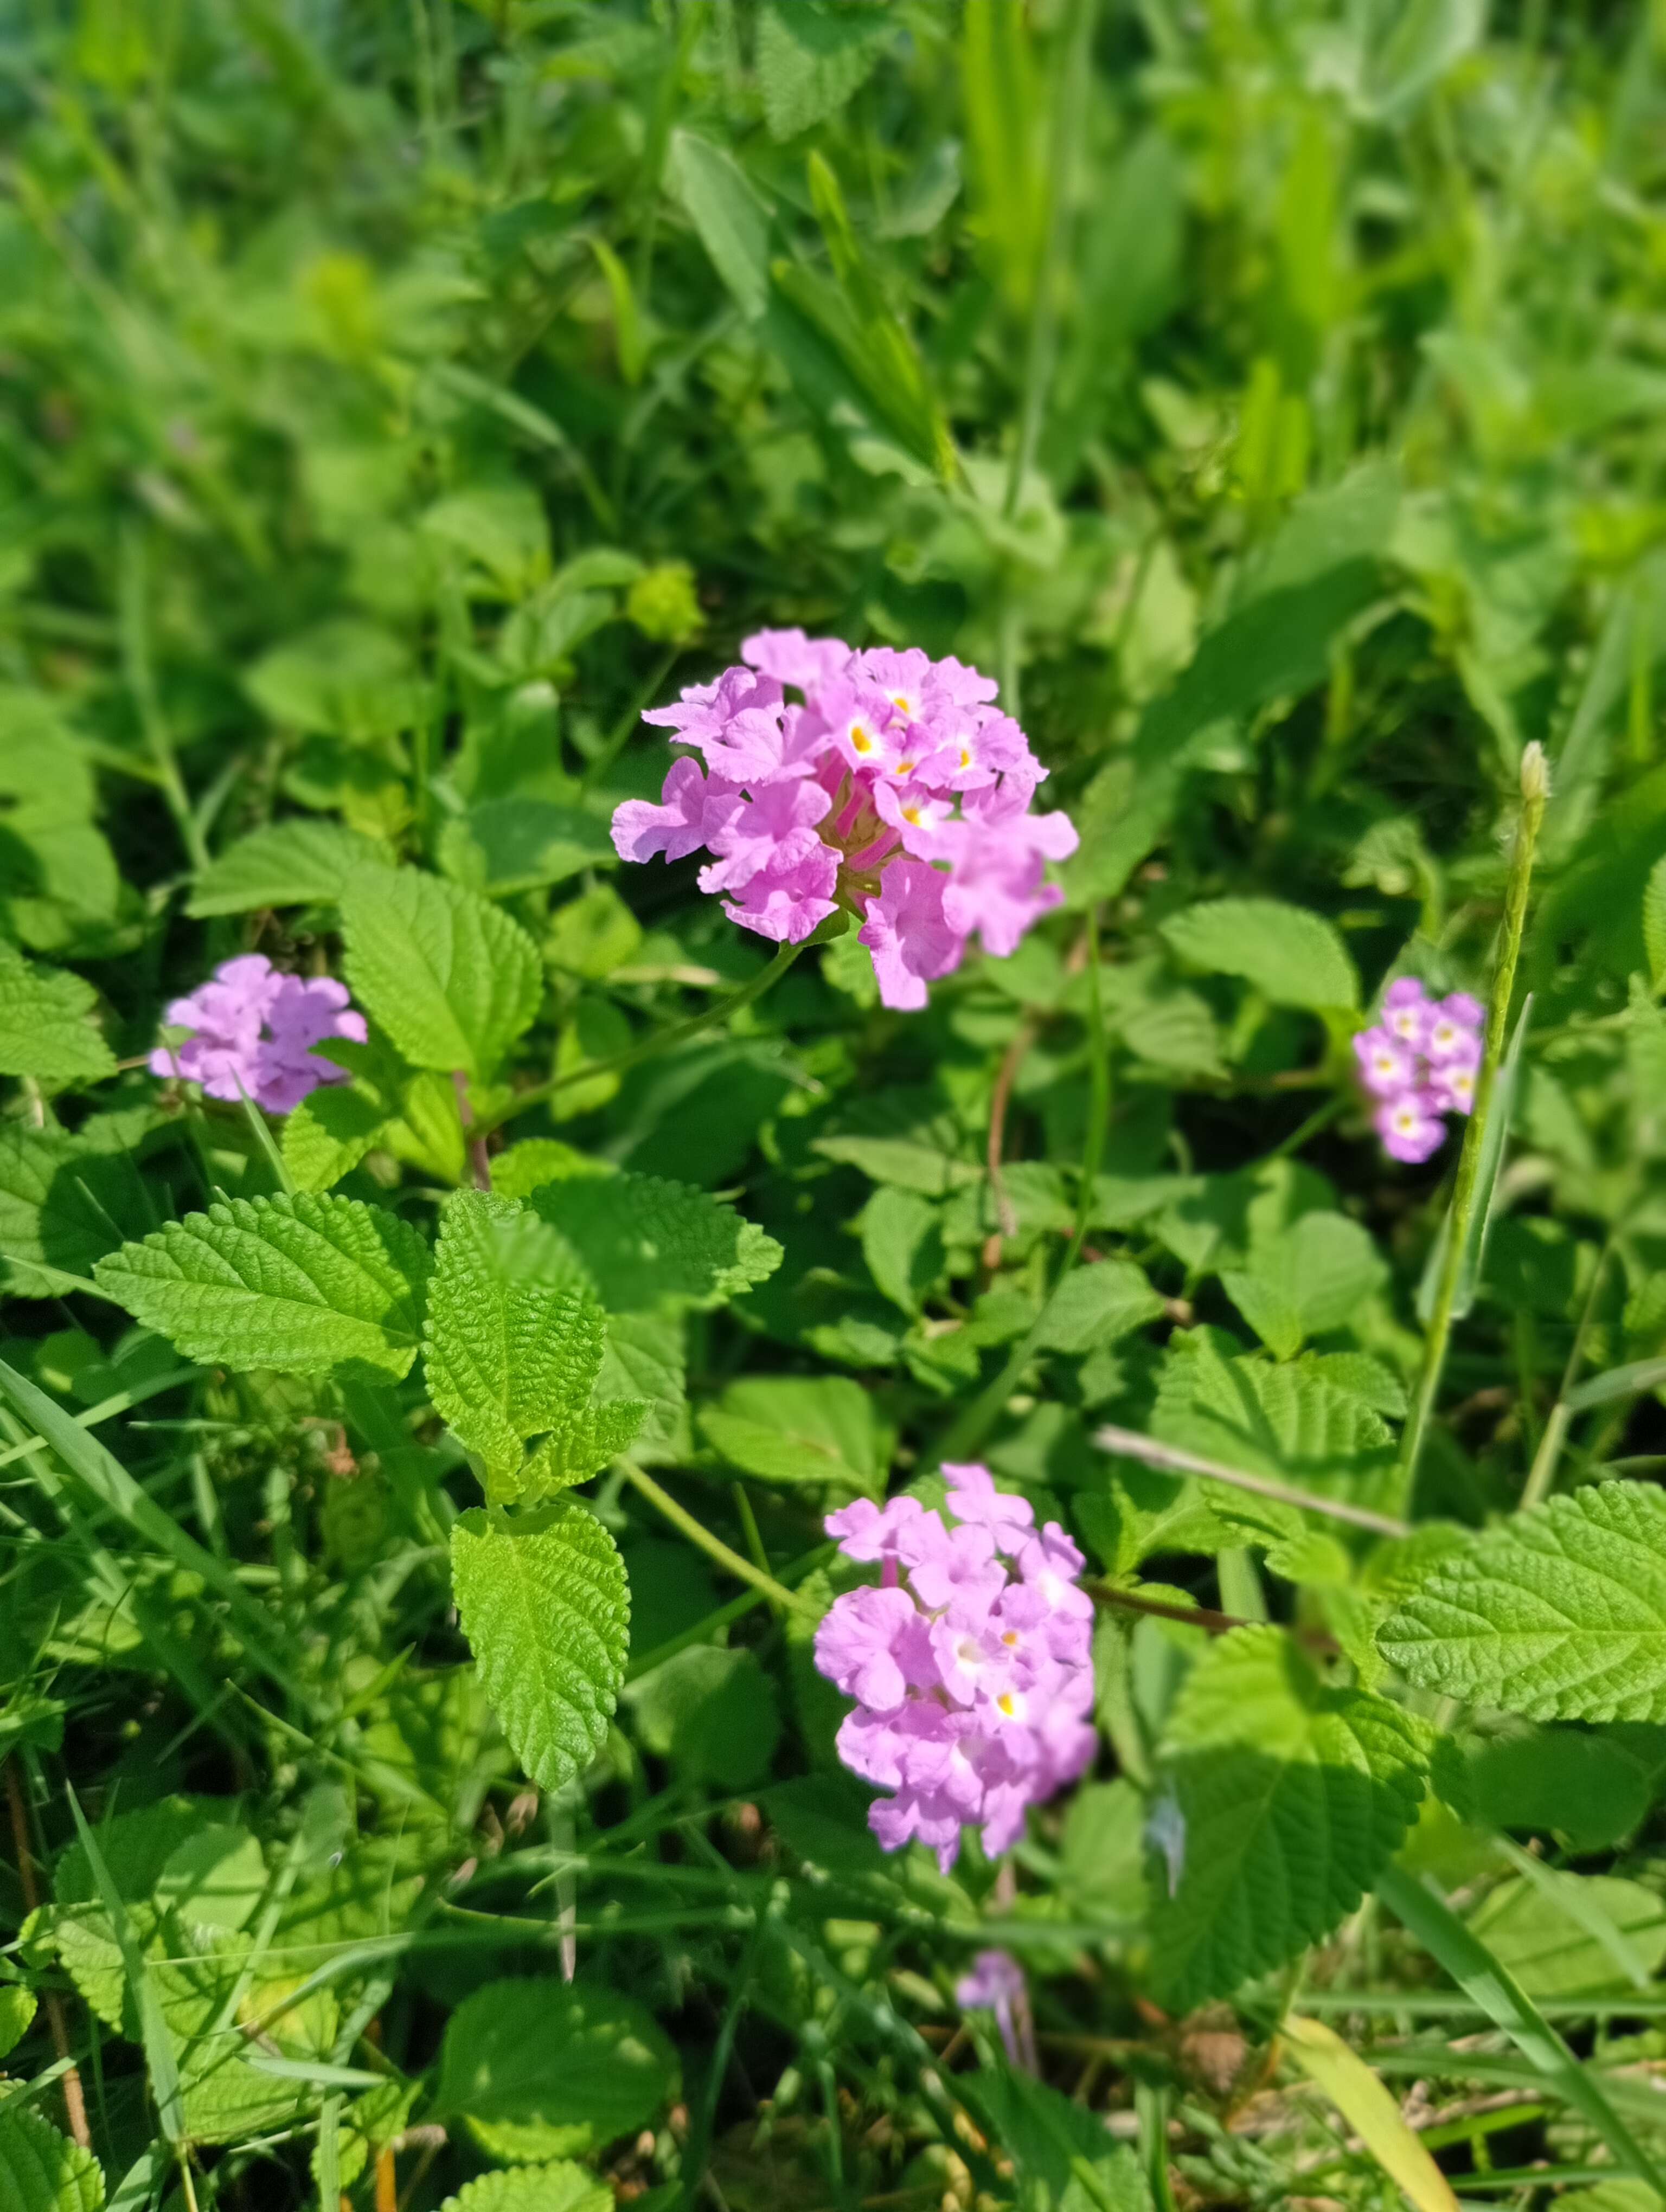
(860, 739)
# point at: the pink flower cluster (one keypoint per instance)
(253, 1031)
(895, 788)
(970, 1662)
(1421, 1061)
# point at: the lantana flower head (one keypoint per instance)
(893, 786)
(1419, 1061)
(252, 1033)
(971, 1662)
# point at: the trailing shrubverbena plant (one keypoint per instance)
(885, 1567)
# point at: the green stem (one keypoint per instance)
(662, 1041)
(1536, 789)
(1098, 1096)
(713, 1547)
(1069, 102)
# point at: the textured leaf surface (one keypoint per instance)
(42, 2171)
(584, 2064)
(1292, 956)
(1293, 1794)
(303, 1283)
(45, 1028)
(514, 1346)
(297, 863)
(450, 977)
(545, 1605)
(562, 2186)
(1283, 1421)
(1560, 1614)
(645, 1241)
(810, 64)
(329, 1133)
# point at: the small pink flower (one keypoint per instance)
(679, 824)
(1387, 1065)
(908, 933)
(973, 1497)
(1410, 1126)
(787, 902)
(1453, 1033)
(1406, 1011)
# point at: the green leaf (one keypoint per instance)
(543, 1603)
(1096, 1304)
(711, 1711)
(560, 2187)
(514, 1344)
(645, 1243)
(41, 2170)
(296, 863)
(787, 1429)
(518, 1171)
(1560, 1614)
(451, 978)
(1557, 1781)
(903, 1244)
(17, 2010)
(503, 527)
(329, 1133)
(1293, 1794)
(44, 1029)
(812, 58)
(303, 1283)
(732, 221)
(344, 678)
(1305, 1280)
(1283, 1421)
(1293, 957)
(570, 2069)
(64, 1204)
(1540, 1930)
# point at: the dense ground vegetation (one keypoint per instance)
(395, 401)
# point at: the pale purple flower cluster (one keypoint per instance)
(1421, 1061)
(253, 1031)
(970, 1662)
(895, 788)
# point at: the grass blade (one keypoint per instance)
(158, 2053)
(1462, 1956)
(116, 1490)
(1359, 2096)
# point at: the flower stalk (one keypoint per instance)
(1534, 793)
